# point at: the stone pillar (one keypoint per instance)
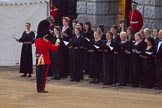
(152, 13)
(98, 12)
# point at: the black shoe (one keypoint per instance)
(23, 75)
(96, 82)
(135, 85)
(29, 75)
(77, 81)
(105, 84)
(92, 82)
(52, 79)
(71, 80)
(44, 91)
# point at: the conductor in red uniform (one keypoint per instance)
(42, 51)
(135, 18)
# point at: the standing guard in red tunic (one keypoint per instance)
(42, 51)
(135, 18)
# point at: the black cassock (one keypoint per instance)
(148, 66)
(57, 66)
(159, 63)
(95, 60)
(67, 36)
(136, 63)
(123, 62)
(26, 62)
(76, 46)
(108, 62)
(89, 34)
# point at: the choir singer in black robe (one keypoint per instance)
(26, 61)
(136, 60)
(108, 59)
(148, 73)
(159, 61)
(57, 58)
(76, 46)
(123, 59)
(95, 58)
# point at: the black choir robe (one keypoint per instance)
(67, 36)
(26, 61)
(76, 47)
(136, 63)
(56, 68)
(89, 34)
(148, 67)
(103, 37)
(95, 61)
(123, 62)
(108, 62)
(159, 63)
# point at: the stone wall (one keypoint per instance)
(98, 12)
(106, 12)
(152, 12)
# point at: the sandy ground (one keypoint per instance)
(17, 92)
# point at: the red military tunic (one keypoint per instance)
(43, 48)
(53, 11)
(135, 20)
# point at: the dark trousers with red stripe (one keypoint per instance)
(41, 74)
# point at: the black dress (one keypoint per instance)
(89, 34)
(26, 61)
(67, 36)
(95, 61)
(149, 73)
(136, 63)
(159, 63)
(103, 37)
(56, 68)
(123, 62)
(76, 46)
(108, 62)
(52, 39)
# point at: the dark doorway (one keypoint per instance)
(128, 8)
(66, 8)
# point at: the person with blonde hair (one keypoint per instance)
(95, 58)
(123, 53)
(66, 30)
(135, 60)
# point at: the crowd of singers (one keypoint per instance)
(116, 57)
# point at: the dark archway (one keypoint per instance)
(66, 8)
(128, 8)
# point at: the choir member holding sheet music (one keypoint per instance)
(57, 58)
(88, 32)
(136, 60)
(66, 30)
(123, 52)
(67, 35)
(108, 59)
(148, 75)
(95, 58)
(76, 46)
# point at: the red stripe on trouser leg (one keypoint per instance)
(45, 78)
